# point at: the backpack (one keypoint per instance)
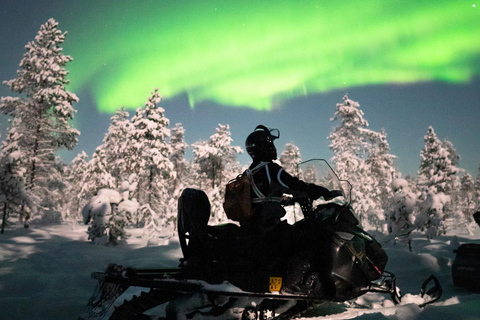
(238, 199)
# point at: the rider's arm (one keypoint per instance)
(293, 183)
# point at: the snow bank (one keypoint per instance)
(45, 274)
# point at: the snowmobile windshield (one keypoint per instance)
(319, 172)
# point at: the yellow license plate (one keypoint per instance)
(275, 284)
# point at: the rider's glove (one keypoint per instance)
(333, 194)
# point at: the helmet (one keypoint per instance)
(259, 143)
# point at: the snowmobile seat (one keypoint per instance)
(192, 220)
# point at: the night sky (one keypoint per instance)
(410, 65)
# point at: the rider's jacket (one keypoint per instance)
(271, 181)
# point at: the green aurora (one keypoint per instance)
(259, 53)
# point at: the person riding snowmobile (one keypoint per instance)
(271, 181)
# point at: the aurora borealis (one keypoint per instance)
(410, 65)
(259, 53)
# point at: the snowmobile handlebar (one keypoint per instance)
(307, 204)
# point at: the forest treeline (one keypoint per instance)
(136, 175)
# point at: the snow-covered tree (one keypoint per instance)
(452, 181)
(43, 112)
(13, 196)
(216, 162)
(290, 158)
(436, 168)
(217, 156)
(154, 224)
(465, 198)
(53, 205)
(177, 155)
(74, 176)
(153, 167)
(97, 175)
(438, 176)
(381, 171)
(310, 175)
(217, 214)
(400, 214)
(361, 156)
(431, 216)
(348, 138)
(116, 144)
(12, 188)
(106, 223)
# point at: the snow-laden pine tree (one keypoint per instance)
(217, 214)
(154, 224)
(290, 158)
(357, 153)
(12, 180)
(106, 224)
(43, 111)
(466, 203)
(153, 166)
(310, 175)
(348, 146)
(400, 214)
(116, 145)
(12, 176)
(381, 171)
(216, 164)
(54, 204)
(348, 138)
(97, 175)
(181, 169)
(177, 156)
(111, 163)
(437, 178)
(74, 176)
(217, 157)
(436, 167)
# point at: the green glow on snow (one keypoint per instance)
(257, 53)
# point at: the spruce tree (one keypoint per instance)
(216, 163)
(290, 158)
(348, 138)
(466, 203)
(116, 144)
(382, 171)
(177, 156)
(438, 179)
(361, 157)
(43, 111)
(74, 176)
(97, 175)
(150, 145)
(12, 179)
(216, 157)
(436, 167)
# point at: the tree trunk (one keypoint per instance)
(4, 219)
(34, 156)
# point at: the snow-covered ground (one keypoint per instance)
(45, 274)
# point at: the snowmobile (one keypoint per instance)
(228, 272)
